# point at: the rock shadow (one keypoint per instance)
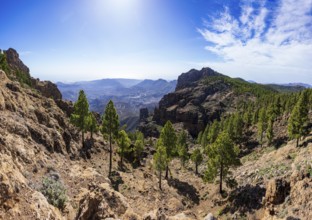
(185, 189)
(245, 199)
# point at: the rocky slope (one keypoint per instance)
(37, 142)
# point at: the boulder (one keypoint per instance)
(276, 191)
(103, 202)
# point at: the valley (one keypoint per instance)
(48, 172)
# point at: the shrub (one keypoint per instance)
(54, 191)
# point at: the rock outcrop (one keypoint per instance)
(102, 202)
(15, 64)
(47, 89)
(197, 101)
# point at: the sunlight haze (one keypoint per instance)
(74, 40)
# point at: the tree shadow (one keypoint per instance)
(245, 199)
(278, 142)
(116, 180)
(85, 151)
(185, 189)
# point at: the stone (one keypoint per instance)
(210, 217)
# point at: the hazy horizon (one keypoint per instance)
(77, 40)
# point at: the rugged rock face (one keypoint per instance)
(32, 128)
(47, 89)
(14, 62)
(196, 102)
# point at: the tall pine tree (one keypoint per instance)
(168, 138)
(81, 113)
(298, 120)
(222, 155)
(123, 144)
(92, 125)
(261, 124)
(110, 125)
(197, 158)
(138, 146)
(182, 147)
(160, 160)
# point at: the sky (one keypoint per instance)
(262, 40)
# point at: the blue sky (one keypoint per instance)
(73, 40)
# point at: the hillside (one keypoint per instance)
(42, 155)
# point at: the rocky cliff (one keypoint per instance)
(200, 97)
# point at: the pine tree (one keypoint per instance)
(261, 124)
(197, 158)
(138, 146)
(182, 147)
(255, 116)
(110, 125)
(124, 144)
(92, 125)
(204, 139)
(222, 155)
(80, 115)
(199, 137)
(160, 160)
(297, 123)
(269, 131)
(3, 63)
(213, 132)
(238, 125)
(169, 139)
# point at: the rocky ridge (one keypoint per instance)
(196, 102)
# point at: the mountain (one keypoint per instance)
(47, 173)
(202, 96)
(287, 87)
(305, 85)
(129, 95)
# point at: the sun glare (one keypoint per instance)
(118, 10)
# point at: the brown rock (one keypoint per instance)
(103, 202)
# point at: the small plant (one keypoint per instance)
(54, 191)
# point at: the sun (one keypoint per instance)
(118, 9)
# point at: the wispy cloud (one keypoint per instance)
(263, 41)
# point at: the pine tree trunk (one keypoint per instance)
(160, 180)
(110, 154)
(221, 174)
(297, 144)
(167, 171)
(91, 135)
(82, 138)
(121, 162)
(196, 168)
(261, 138)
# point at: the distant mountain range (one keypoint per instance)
(129, 95)
(286, 87)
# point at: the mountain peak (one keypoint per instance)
(192, 76)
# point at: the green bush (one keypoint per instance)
(54, 191)
(23, 78)
(3, 63)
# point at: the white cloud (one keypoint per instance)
(263, 43)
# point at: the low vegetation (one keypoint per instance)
(54, 191)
